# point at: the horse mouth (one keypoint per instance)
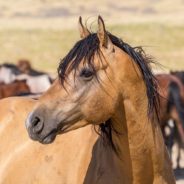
(49, 138)
(64, 128)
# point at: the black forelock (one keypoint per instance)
(84, 50)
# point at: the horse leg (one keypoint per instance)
(168, 135)
(178, 157)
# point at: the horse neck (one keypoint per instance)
(139, 141)
(139, 146)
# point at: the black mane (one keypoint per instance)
(85, 50)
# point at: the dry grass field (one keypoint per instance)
(44, 30)
(45, 47)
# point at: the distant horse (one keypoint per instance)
(179, 74)
(171, 97)
(175, 136)
(16, 88)
(37, 84)
(105, 82)
(172, 107)
(24, 66)
(38, 81)
(8, 73)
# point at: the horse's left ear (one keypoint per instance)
(102, 35)
(84, 32)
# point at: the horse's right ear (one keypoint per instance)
(84, 32)
(103, 36)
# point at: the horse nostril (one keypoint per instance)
(37, 124)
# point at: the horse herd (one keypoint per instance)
(109, 110)
(22, 79)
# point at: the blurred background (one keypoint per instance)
(43, 31)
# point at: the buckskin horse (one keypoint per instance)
(25, 161)
(106, 83)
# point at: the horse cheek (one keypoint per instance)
(99, 109)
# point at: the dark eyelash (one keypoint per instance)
(86, 72)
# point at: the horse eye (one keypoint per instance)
(87, 73)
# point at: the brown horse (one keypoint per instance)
(179, 74)
(171, 97)
(15, 88)
(176, 135)
(172, 107)
(106, 83)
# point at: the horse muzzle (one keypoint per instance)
(37, 130)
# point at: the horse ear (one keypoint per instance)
(102, 34)
(84, 32)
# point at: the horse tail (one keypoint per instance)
(176, 100)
